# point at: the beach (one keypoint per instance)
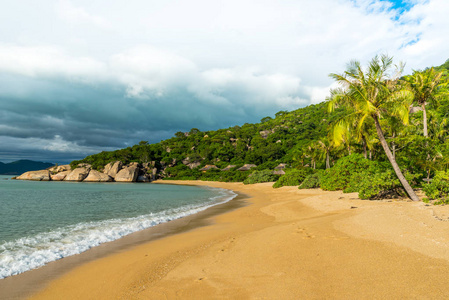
(275, 244)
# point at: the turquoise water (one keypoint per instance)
(45, 221)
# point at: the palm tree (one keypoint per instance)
(426, 87)
(325, 146)
(371, 95)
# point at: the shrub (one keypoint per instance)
(292, 177)
(379, 185)
(338, 177)
(261, 176)
(312, 181)
(438, 188)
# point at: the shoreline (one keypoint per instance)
(34, 280)
(287, 244)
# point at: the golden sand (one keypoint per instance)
(288, 244)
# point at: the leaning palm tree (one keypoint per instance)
(372, 94)
(427, 87)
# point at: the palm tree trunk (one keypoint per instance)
(364, 147)
(393, 146)
(424, 119)
(370, 154)
(393, 162)
(328, 165)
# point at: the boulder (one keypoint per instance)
(127, 174)
(61, 168)
(42, 175)
(77, 175)
(112, 169)
(95, 176)
(60, 176)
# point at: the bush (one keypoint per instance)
(292, 177)
(438, 188)
(312, 181)
(338, 177)
(261, 176)
(379, 185)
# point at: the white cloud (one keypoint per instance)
(78, 15)
(48, 62)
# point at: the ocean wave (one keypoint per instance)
(31, 252)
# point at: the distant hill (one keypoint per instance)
(21, 166)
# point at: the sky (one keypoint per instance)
(81, 77)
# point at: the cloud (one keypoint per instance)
(160, 67)
(78, 15)
(49, 62)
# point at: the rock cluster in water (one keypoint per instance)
(112, 172)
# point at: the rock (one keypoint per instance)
(95, 176)
(113, 168)
(107, 168)
(60, 176)
(61, 168)
(279, 172)
(264, 133)
(77, 175)
(194, 165)
(127, 174)
(42, 175)
(143, 178)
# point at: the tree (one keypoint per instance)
(372, 94)
(426, 87)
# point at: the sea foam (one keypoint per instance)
(31, 252)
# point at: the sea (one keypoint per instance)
(43, 221)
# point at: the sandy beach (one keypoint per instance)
(285, 244)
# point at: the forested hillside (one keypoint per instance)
(20, 166)
(412, 113)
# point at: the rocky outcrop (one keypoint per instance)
(133, 172)
(77, 175)
(60, 176)
(95, 176)
(112, 169)
(42, 175)
(127, 174)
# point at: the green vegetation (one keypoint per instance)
(378, 134)
(260, 176)
(292, 177)
(312, 181)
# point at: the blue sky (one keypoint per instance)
(80, 77)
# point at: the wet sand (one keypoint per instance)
(287, 244)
